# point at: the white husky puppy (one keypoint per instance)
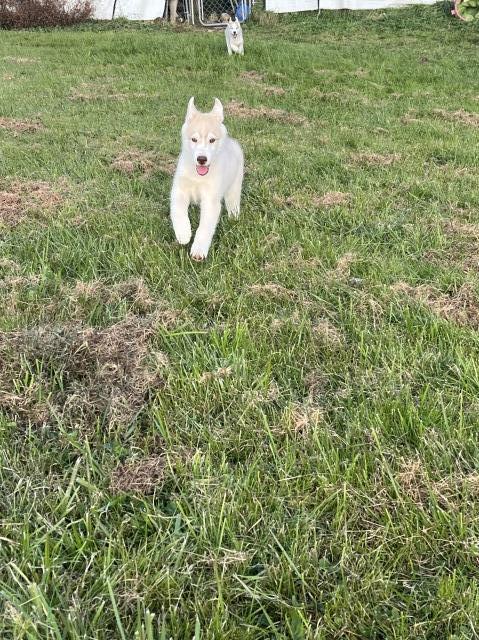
(234, 37)
(209, 170)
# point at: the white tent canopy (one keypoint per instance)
(151, 9)
(286, 6)
(131, 9)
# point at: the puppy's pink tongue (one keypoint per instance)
(201, 170)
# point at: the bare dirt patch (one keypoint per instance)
(145, 162)
(79, 375)
(240, 110)
(257, 79)
(252, 76)
(461, 116)
(460, 306)
(22, 198)
(331, 199)
(20, 126)
(138, 475)
(375, 159)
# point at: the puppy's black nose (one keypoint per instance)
(202, 159)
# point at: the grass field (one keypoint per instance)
(281, 442)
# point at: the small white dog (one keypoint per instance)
(234, 37)
(209, 170)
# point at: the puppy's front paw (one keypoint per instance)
(183, 235)
(199, 251)
(233, 211)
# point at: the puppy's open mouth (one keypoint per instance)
(201, 169)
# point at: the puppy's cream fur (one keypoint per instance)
(209, 170)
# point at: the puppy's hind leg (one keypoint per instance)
(233, 195)
(179, 216)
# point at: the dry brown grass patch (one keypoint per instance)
(79, 375)
(272, 90)
(327, 333)
(134, 160)
(412, 479)
(375, 159)
(462, 116)
(138, 475)
(462, 250)
(257, 397)
(133, 291)
(460, 306)
(21, 198)
(18, 60)
(218, 374)
(240, 110)
(449, 492)
(20, 126)
(272, 289)
(410, 118)
(342, 269)
(78, 300)
(252, 76)
(331, 199)
(9, 265)
(145, 162)
(13, 285)
(257, 80)
(304, 417)
(459, 227)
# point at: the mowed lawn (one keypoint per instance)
(281, 442)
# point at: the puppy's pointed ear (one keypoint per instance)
(218, 109)
(191, 110)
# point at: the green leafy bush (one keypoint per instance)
(467, 10)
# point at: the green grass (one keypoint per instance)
(323, 481)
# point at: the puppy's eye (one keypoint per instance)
(212, 140)
(194, 139)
